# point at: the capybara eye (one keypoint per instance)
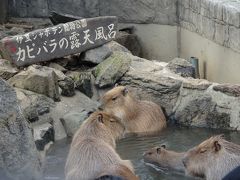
(114, 98)
(150, 153)
(203, 150)
(158, 150)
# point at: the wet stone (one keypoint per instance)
(59, 41)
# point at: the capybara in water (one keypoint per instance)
(212, 159)
(162, 157)
(92, 148)
(137, 116)
(117, 172)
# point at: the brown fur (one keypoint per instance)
(120, 171)
(92, 147)
(137, 116)
(162, 157)
(212, 159)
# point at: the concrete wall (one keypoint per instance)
(217, 63)
(159, 42)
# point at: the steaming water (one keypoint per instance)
(132, 148)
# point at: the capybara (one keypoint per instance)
(162, 157)
(119, 172)
(212, 159)
(92, 147)
(137, 116)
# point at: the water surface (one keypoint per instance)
(132, 148)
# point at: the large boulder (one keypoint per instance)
(112, 69)
(19, 158)
(200, 105)
(151, 81)
(187, 101)
(39, 79)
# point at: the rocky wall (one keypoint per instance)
(217, 20)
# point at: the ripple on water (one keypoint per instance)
(132, 148)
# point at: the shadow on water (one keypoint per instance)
(178, 139)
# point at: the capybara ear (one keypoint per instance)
(125, 91)
(100, 118)
(159, 150)
(217, 146)
(163, 146)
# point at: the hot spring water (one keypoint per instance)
(132, 148)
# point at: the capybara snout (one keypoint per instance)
(162, 157)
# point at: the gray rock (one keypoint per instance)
(43, 134)
(76, 103)
(112, 69)
(57, 67)
(83, 81)
(39, 79)
(99, 54)
(149, 81)
(72, 121)
(130, 41)
(202, 106)
(67, 86)
(193, 111)
(33, 104)
(6, 69)
(182, 67)
(19, 157)
(229, 89)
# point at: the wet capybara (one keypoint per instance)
(92, 147)
(119, 172)
(212, 159)
(137, 116)
(164, 158)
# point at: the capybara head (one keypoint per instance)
(154, 154)
(102, 124)
(164, 158)
(212, 158)
(115, 100)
